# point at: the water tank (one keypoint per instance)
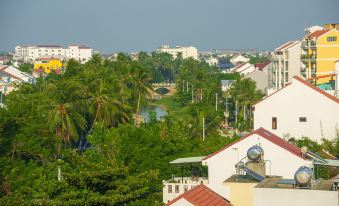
(303, 176)
(255, 153)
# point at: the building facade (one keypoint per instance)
(286, 63)
(320, 50)
(46, 65)
(186, 52)
(299, 110)
(29, 53)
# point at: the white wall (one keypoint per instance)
(294, 101)
(290, 197)
(222, 165)
(182, 202)
(185, 51)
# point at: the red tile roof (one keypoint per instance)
(262, 65)
(317, 33)
(317, 89)
(269, 136)
(202, 196)
(286, 45)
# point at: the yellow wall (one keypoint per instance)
(327, 54)
(48, 65)
(241, 193)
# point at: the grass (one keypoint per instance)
(173, 107)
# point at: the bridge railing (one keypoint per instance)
(164, 84)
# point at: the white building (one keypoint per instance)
(11, 77)
(29, 53)
(79, 52)
(186, 52)
(239, 59)
(226, 85)
(212, 61)
(284, 159)
(286, 63)
(299, 109)
(243, 68)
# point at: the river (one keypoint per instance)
(161, 112)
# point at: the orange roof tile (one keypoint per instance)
(317, 33)
(202, 196)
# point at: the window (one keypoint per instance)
(274, 123)
(331, 38)
(169, 188)
(176, 188)
(302, 119)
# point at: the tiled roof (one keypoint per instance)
(262, 65)
(317, 33)
(286, 45)
(202, 196)
(270, 137)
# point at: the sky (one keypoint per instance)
(143, 25)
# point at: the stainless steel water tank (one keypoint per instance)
(255, 153)
(303, 176)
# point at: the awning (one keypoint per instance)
(188, 160)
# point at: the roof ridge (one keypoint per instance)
(317, 89)
(267, 135)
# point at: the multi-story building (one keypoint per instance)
(186, 52)
(29, 53)
(285, 64)
(79, 52)
(320, 50)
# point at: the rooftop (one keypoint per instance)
(203, 196)
(279, 183)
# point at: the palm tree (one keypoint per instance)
(140, 81)
(64, 117)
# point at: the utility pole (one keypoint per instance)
(187, 86)
(203, 129)
(216, 101)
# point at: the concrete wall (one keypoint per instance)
(241, 193)
(294, 101)
(222, 165)
(260, 77)
(289, 197)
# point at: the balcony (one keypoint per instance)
(313, 44)
(304, 44)
(178, 185)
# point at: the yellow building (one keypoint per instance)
(47, 65)
(320, 51)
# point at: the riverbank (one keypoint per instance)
(173, 107)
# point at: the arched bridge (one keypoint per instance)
(163, 89)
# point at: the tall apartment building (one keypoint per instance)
(29, 53)
(186, 52)
(320, 50)
(285, 64)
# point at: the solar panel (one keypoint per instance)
(286, 182)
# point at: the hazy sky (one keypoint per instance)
(134, 25)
